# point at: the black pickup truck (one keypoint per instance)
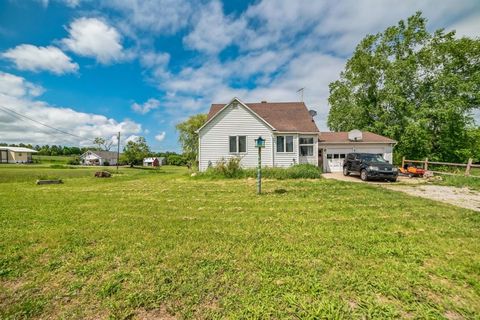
(370, 166)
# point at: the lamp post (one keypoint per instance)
(259, 144)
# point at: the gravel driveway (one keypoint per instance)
(460, 197)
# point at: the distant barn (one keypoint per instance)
(153, 162)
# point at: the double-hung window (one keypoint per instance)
(306, 146)
(284, 143)
(237, 144)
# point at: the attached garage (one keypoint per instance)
(334, 146)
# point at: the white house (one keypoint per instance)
(334, 146)
(16, 155)
(98, 158)
(290, 133)
(231, 129)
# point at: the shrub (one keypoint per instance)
(228, 168)
(232, 169)
(106, 163)
(75, 161)
(58, 166)
(176, 160)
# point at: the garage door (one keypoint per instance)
(334, 159)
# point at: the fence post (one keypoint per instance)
(403, 162)
(425, 166)
(469, 165)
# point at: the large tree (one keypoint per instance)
(102, 143)
(135, 151)
(188, 136)
(416, 87)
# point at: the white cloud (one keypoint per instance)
(20, 95)
(285, 45)
(15, 86)
(146, 107)
(132, 138)
(469, 27)
(156, 63)
(213, 31)
(68, 3)
(161, 136)
(166, 16)
(92, 37)
(33, 58)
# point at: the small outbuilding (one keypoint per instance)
(153, 162)
(16, 155)
(333, 147)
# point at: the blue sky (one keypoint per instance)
(94, 68)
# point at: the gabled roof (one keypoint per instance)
(282, 116)
(151, 159)
(342, 137)
(104, 154)
(19, 149)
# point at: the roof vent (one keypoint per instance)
(355, 135)
(264, 101)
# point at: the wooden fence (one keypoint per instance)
(468, 166)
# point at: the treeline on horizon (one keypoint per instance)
(172, 158)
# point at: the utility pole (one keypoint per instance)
(118, 149)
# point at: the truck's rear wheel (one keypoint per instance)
(345, 171)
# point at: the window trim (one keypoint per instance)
(237, 145)
(285, 144)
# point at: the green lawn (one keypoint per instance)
(51, 159)
(472, 182)
(157, 243)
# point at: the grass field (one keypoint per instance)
(51, 159)
(159, 244)
(472, 182)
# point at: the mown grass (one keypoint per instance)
(159, 243)
(30, 173)
(51, 159)
(472, 182)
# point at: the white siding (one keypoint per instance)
(234, 121)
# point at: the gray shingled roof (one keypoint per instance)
(104, 154)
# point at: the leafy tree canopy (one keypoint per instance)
(135, 151)
(102, 143)
(417, 87)
(188, 137)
